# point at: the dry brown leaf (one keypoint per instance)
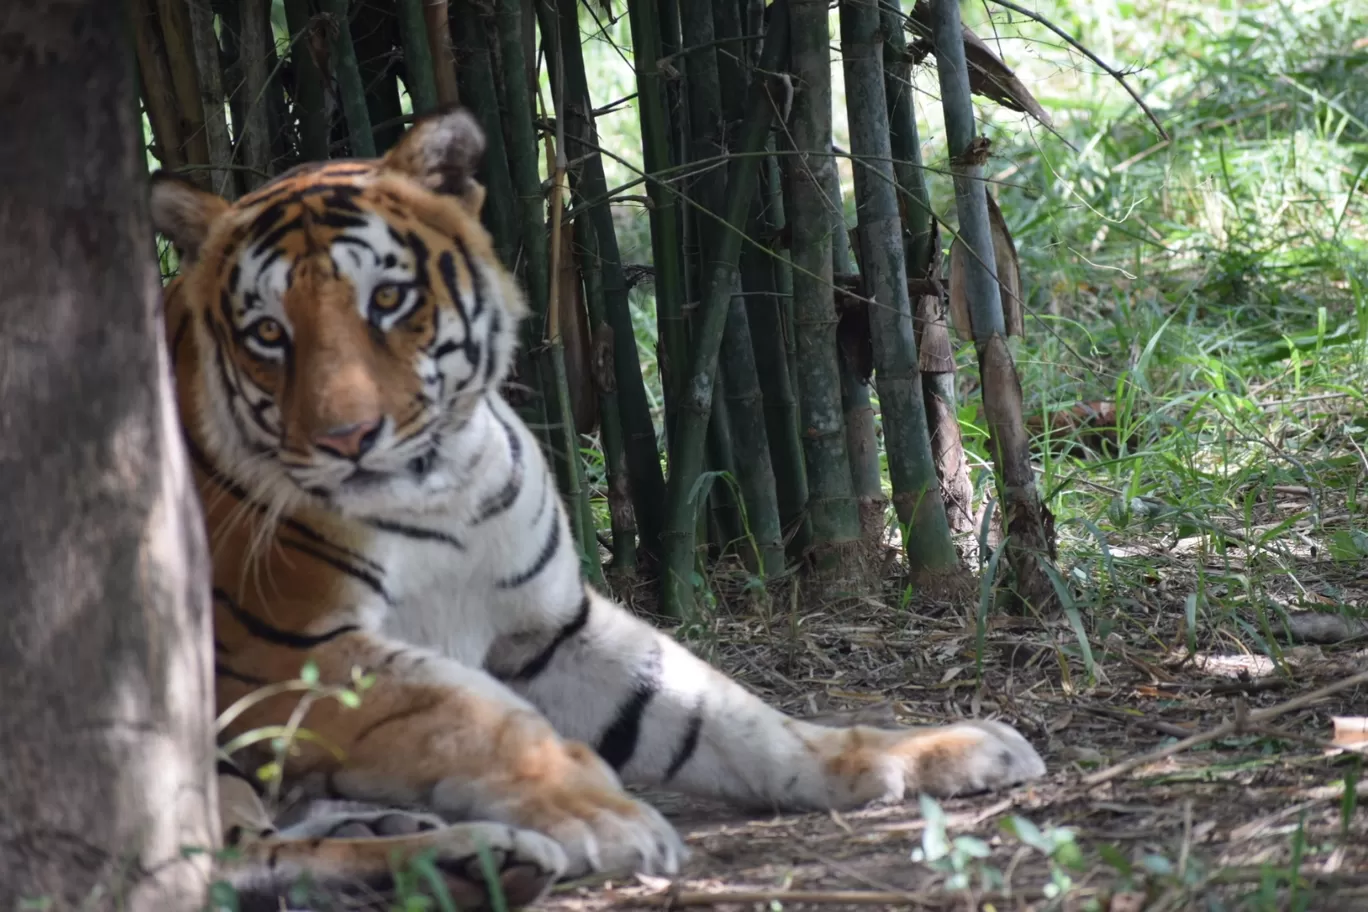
(1009, 278)
(988, 75)
(1351, 732)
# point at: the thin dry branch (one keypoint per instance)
(1240, 723)
(1111, 71)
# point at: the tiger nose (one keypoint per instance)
(351, 441)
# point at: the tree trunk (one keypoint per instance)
(107, 723)
(1029, 524)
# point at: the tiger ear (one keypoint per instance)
(183, 212)
(442, 152)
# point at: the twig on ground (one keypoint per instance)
(1241, 723)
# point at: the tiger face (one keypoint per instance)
(349, 319)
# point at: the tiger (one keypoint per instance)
(374, 505)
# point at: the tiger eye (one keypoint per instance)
(386, 298)
(268, 332)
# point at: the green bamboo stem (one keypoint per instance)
(704, 119)
(687, 445)
(418, 73)
(938, 376)
(750, 438)
(916, 491)
(1030, 546)
(622, 519)
(352, 90)
(374, 35)
(747, 444)
(906, 146)
(724, 508)
(862, 441)
(769, 334)
(543, 357)
(308, 97)
(647, 481)
(481, 95)
(666, 246)
(831, 506)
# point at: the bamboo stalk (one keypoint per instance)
(576, 496)
(750, 438)
(174, 19)
(375, 34)
(621, 517)
(482, 96)
(647, 481)
(916, 490)
(769, 334)
(360, 140)
(438, 16)
(831, 506)
(862, 442)
(695, 408)
(254, 137)
(418, 58)
(723, 507)
(935, 353)
(158, 95)
(1028, 521)
(742, 437)
(534, 368)
(206, 53)
(666, 246)
(309, 41)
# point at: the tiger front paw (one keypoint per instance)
(972, 756)
(600, 827)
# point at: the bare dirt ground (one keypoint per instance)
(1254, 819)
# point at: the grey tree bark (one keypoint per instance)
(106, 722)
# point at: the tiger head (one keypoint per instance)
(349, 317)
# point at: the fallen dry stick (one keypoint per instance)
(1255, 718)
(933, 900)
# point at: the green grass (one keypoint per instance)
(1213, 285)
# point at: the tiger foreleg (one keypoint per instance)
(349, 856)
(661, 716)
(433, 733)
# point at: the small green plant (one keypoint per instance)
(958, 858)
(1057, 844)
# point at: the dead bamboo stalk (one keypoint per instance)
(206, 54)
(174, 19)
(158, 95)
(436, 12)
(1239, 723)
